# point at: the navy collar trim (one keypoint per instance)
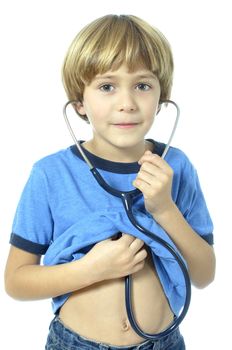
(116, 167)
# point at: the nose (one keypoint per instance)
(126, 102)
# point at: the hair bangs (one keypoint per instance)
(122, 44)
(111, 41)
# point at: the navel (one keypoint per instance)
(125, 325)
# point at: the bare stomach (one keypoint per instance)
(98, 312)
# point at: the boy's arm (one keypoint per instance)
(155, 182)
(26, 279)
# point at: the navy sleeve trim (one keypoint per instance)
(29, 246)
(208, 238)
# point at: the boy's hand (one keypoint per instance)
(116, 258)
(154, 180)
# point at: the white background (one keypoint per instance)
(34, 38)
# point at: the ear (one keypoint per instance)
(79, 108)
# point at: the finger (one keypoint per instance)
(144, 187)
(151, 168)
(146, 155)
(146, 177)
(128, 239)
(136, 245)
(142, 254)
(156, 160)
(138, 267)
(155, 179)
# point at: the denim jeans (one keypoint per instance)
(61, 337)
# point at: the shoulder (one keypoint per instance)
(53, 157)
(56, 161)
(61, 170)
(56, 167)
(176, 158)
(176, 155)
(184, 170)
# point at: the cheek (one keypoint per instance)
(91, 109)
(94, 106)
(150, 122)
(96, 115)
(151, 110)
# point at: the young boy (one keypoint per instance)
(117, 69)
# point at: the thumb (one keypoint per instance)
(146, 153)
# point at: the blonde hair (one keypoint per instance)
(110, 41)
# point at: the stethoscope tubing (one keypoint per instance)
(127, 199)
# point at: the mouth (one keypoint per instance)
(126, 125)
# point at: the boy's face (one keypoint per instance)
(121, 107)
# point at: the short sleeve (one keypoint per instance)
(33, 225)
(192, 204)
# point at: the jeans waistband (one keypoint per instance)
(65, 336)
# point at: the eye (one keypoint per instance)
(106, 88)
(143, 87)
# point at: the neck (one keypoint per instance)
(118, 154)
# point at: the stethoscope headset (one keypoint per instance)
(127, 200)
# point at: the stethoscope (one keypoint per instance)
(127, 199)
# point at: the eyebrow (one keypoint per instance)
(139, 76)
(146, 76)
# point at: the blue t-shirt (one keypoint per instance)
(63, 212)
